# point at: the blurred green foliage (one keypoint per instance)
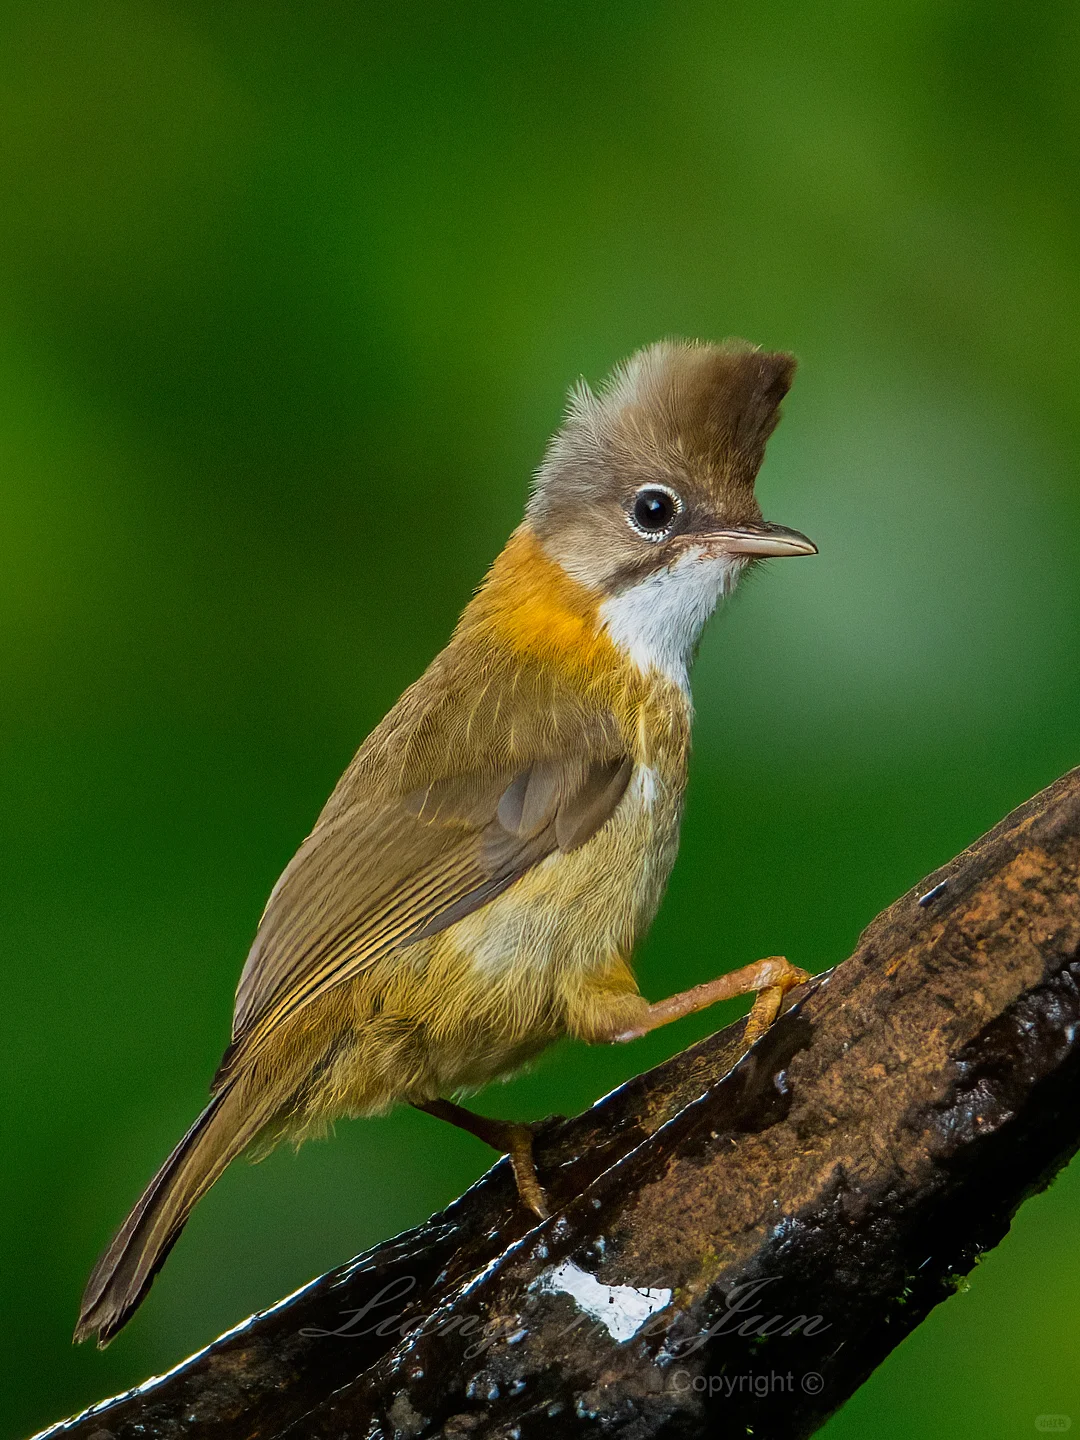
(291, 295)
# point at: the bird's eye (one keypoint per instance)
(653, 511)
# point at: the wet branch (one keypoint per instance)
(738, 1240)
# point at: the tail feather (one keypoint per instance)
(124, 1273)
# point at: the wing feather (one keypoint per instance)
(389, 863)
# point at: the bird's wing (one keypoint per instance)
(391, 861)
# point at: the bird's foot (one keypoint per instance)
(512, 1138)
(769, 980)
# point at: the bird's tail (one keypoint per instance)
(123, 1274)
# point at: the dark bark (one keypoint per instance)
(847, 1170)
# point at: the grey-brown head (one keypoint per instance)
(646, 493)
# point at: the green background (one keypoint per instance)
(290, 298)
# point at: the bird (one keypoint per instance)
(475, 885)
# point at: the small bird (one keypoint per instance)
(475, 885)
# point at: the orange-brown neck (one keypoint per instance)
(531, 606)
(530, 610)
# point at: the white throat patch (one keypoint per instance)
(657, 622)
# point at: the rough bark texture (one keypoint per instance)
(738, 1239)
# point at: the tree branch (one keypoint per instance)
(738, 1239)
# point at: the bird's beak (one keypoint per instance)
(760, 540)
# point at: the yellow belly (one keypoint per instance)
(546, 958)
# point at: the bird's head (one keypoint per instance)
(646, 493)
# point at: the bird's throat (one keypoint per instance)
(657, 623)
(647, 633)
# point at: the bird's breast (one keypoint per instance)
(578, 909)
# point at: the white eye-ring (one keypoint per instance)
(653, 512)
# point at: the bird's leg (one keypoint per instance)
(769, 979)
(507, 1136)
